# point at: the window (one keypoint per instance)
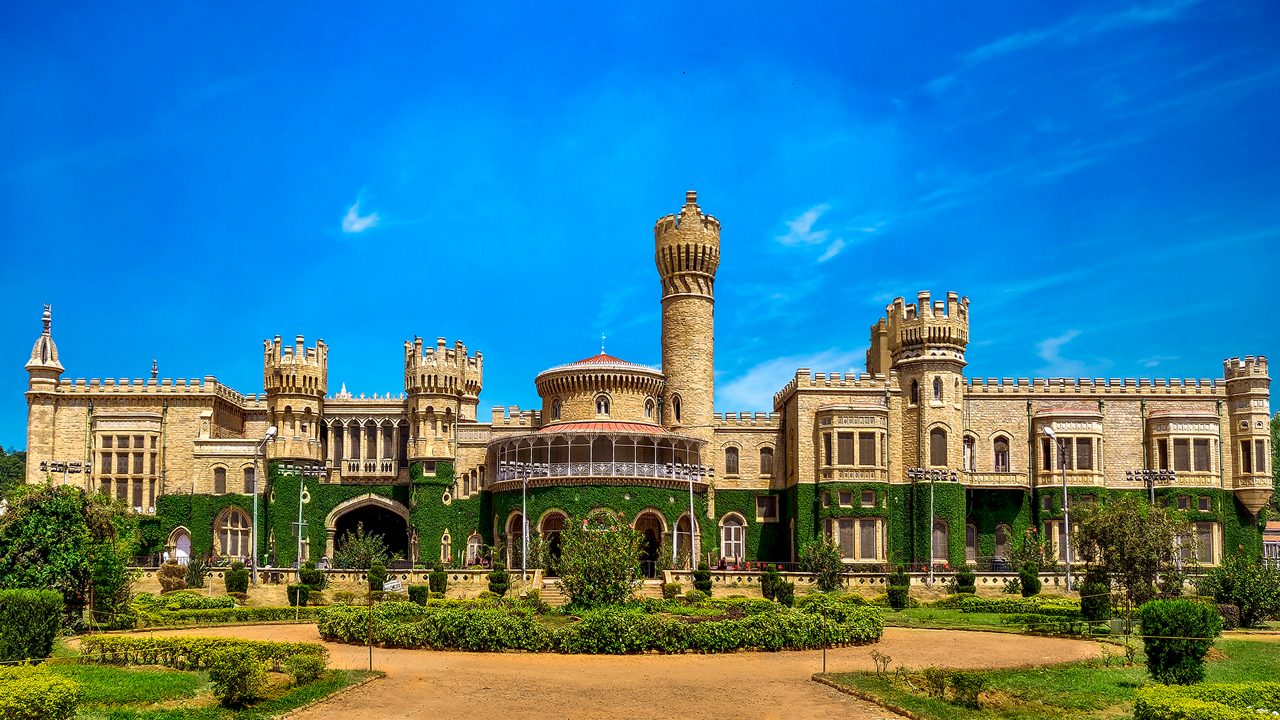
(866, 449)
(219, 480)
(602, 404)
(1084, 453)
(248, 481)
(446, 549)
(1200, 454)
(1204, 542)
(1182, 455)
(1046, 454)
(555, 409)
(122, 463)
(845, 539)
(844, 449)
(939, 541)
(826, 449)
(970, 543)
(731, 461)
(675, 407)
(968, 453)
(846, 498)
(767, 508)
(1246, 460)
(1204, 503)
(937, 389)
(868, 498)
(1184, 502)
(233, 533)
(867, 539)
(137, 463)
(915, 392)
(937, 446)
(766, 461)
(1162, 453)
(1003, 549)
(106, 441)
(1046, 502)
(826, 499)
(474, 547)
(732, 536)
(1000, 448)
(1261, 454)
(648, 409)
(1064, 453)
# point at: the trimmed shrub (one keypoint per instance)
(304, 668)
(28, 624)
(377, 575)
(1249, 584)
(438, 579)
(31, 693)
(188, 653)
(1210, 701)
(225, 615)
(966, 580)
(312, 577)
(965, 688)
(298, 594)
(197, 571)
(693, 597)
(670, 591)
(951, 602)
(1176, 635)
(785, 593)
(499, 579)
(238, 676)
(1028, 582)
(236, 578)
(1095, 595)
(1230, 616)
(839, 607)
(418, 594)
(702, 579)
(899, 596)
(172, 577)
(769, 581)
(182, 601)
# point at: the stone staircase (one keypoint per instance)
(551, 594)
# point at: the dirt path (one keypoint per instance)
(505, 686)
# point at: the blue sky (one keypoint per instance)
(183, 181)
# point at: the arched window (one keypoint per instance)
(555, 409)
(180, 543)
(1002, 542)
(648, 409)
(733, 537)
(675, 407)
(970, 542)
(1000, 450)
(219, 481)
(248, 481)
(969, 462)
(766, 461)
(937, 389)
(475, 546)
(232, 533)
(602, 404)
(938, 447)
(915, 392)
(446, 549)
(939, 541)
(731, 461)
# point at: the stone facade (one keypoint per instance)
(913, 461)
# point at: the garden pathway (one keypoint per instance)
(505, 686)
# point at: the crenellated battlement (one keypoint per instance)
(295, 369)
(1250, 367)
(925, 329)
(208, 385)
(515, 417)
(1089, 386)
(687, 250)
(748, 419)
(856, 381)
(441, 369)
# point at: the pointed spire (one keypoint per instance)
(44, 354)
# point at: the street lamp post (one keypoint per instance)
(931, 475)
(692, 547)
(524, 523)
(1149, 478)
(253, 551)
(1066, 509)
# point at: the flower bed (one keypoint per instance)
(1211, 701)
(663, 626)
(186, 653)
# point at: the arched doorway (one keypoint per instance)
(552, 524)
(685, 545)
(180, 546)
(649, 524)
(375, 518)
(515, 541)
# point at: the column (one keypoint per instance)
(377, 435)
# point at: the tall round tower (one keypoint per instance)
(687, 254)
(296, 379)
(45, 372)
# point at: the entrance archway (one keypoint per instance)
(650, 525)
(378, 515)
(552, 524)
(180, 546)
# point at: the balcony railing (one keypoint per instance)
(514, 471)
(997, 479)
(1082, 478)
(857, 474)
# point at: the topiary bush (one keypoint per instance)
(238, 676)
(499, 579)
(1028, 581)
(670, 591)
(236, 578)
(1095, 595)
(1176, 635)
(304, 668)
(197, 571)
(438, 579)
(298, 594)
(965, 580)
(785, 593)
(694, 597)
(899, 590)
(702, 579)
(172, 577)
(1230, 616)
(29, 622)
(418, 594)
(377, 575)
(31, 693)
(312, 577)
(769, 581)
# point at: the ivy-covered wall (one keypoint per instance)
(989, 508)
(194, 512)
(765, 540)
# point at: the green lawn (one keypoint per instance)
(942, 618)
(1066, 691)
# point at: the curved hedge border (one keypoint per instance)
(187, 653)
(491, 627)
(225, 616)
(31, 693)
(1057, 607)
(1210, 701)
(183, 600)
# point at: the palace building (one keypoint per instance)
(914, 461)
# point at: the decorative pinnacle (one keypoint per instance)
(48, 318)
(154, 369)
(691, 197)
(601, 343)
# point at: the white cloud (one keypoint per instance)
(1050, 351)
(754, 389)
(800, 231)
(354, 223)
(832, 250)
(1155, 360)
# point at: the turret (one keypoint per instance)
(1249, 411)
(441, 385)
(687, 253)
(296, 379)
(44, 372)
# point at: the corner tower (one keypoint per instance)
(45, 372)
(687, 254)
(441, 386)
(296, 378)
(1249, 410)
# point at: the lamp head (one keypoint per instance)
(271, 432)
(1049, 431)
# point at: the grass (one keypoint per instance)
(1070, 690)
(945, 619)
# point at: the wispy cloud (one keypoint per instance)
(832, 250)
(800, 230)
(1050, 351)
(354, 223)
(754, 389)
(1155, 360)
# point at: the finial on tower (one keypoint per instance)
(48, 318)
(690, 197)
(155, 370)
(601, 343)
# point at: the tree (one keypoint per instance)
(1249, 584)
(13, 471)
(1130, 542)
(360, 550)
(599, 560)
(58, 537)
(822, 559)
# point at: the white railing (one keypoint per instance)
(508, 471)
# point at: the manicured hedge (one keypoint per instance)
(29, 622)
(496, 626)
(222, 616)
(1058, 607)
(1210, 701)
(31, 693)
(183, 601)
(187, 653)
